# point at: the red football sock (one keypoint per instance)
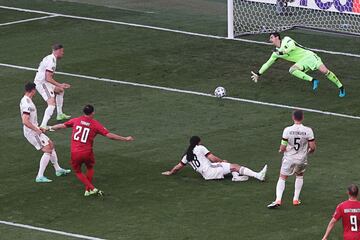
(85, 181)
(90, 174)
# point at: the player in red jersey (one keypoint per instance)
(84, 131)
(349, 212)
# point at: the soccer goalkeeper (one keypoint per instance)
(304, 60)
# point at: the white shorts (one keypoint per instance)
(46, 90)
(38, 141)
(216, 171)
(290, 166)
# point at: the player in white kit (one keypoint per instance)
(36, 137)
(297, 142)
(49, 88)
(212, 167)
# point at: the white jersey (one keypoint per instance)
(297, 137)
(28, 107)
(201, 163)
(47, 64)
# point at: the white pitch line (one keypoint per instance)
(168, 30)
(50, 231)
(129, 9)
(27, 20)
(188, 92)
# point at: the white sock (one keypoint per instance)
(59, 102)
(280, 187)
(299, 181)
(248, 172)
(47, 115)
(54, 160)
(235, 174)
(43, 163)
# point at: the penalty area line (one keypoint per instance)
(74, 235)
(188, 92)
(27, 20)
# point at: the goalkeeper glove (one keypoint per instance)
(255, 76)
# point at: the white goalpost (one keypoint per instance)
(265, 16)
(230, 19)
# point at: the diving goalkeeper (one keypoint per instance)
(304, 60)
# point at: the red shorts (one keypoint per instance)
(78, 158)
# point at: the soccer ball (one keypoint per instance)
(220, 92)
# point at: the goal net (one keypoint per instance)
(265, 16)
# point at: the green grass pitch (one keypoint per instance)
(140, 202)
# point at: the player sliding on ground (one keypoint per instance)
(304, 60)
(212, 167)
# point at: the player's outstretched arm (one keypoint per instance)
(256, 75)
(57, 127)
(329, 228)
(174, 170)
(116, 137)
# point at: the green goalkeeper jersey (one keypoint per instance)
(289, 51)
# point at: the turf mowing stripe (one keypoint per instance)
(50, 231)
(27, 20)
(188, 92)
(167, 29)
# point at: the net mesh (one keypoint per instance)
(252, 17)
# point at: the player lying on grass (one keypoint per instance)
(84, 131)
(304, 59)
(212, 167)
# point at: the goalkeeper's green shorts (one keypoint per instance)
(311, 62)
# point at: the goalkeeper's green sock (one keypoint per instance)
(331, 76)
(300, 74)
